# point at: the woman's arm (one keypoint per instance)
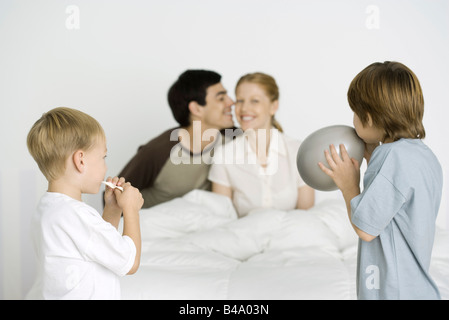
(221, 189)
(306, 198)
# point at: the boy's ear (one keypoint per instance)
(370, 120)
(78, 160)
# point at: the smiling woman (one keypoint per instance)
(257, 101)
(271, 181)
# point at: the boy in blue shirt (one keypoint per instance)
(395, 214)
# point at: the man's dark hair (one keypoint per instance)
(191, 86)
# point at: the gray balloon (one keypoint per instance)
(312, 149)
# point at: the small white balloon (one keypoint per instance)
(312, 149)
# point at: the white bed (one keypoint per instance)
(194, 247)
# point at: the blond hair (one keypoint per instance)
(391, 94)
(59, 133)
(270, 87)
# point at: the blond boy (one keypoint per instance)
(395, 214)
(80, 253)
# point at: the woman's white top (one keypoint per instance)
(276, 185)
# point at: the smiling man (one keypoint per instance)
(199, 103)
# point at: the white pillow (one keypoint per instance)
(334, 215)
(197, 210)
(301, 228)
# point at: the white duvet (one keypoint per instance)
(195, 247)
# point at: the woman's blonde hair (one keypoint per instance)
(270, 87)
(391, 94)
(59, 133)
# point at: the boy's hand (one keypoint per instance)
(344, 171)
(346, 174)
(109, 196)
(130, 199)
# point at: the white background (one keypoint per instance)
(116, 59)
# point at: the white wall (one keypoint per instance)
(115, 60)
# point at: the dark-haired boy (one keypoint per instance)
(395, 214)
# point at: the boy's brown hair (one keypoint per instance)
(59, 133)
(390, 92)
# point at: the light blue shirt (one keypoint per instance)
(399, 205)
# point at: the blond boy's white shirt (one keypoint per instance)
(80, 256)
(254, 186)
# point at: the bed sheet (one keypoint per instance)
(196, 248)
